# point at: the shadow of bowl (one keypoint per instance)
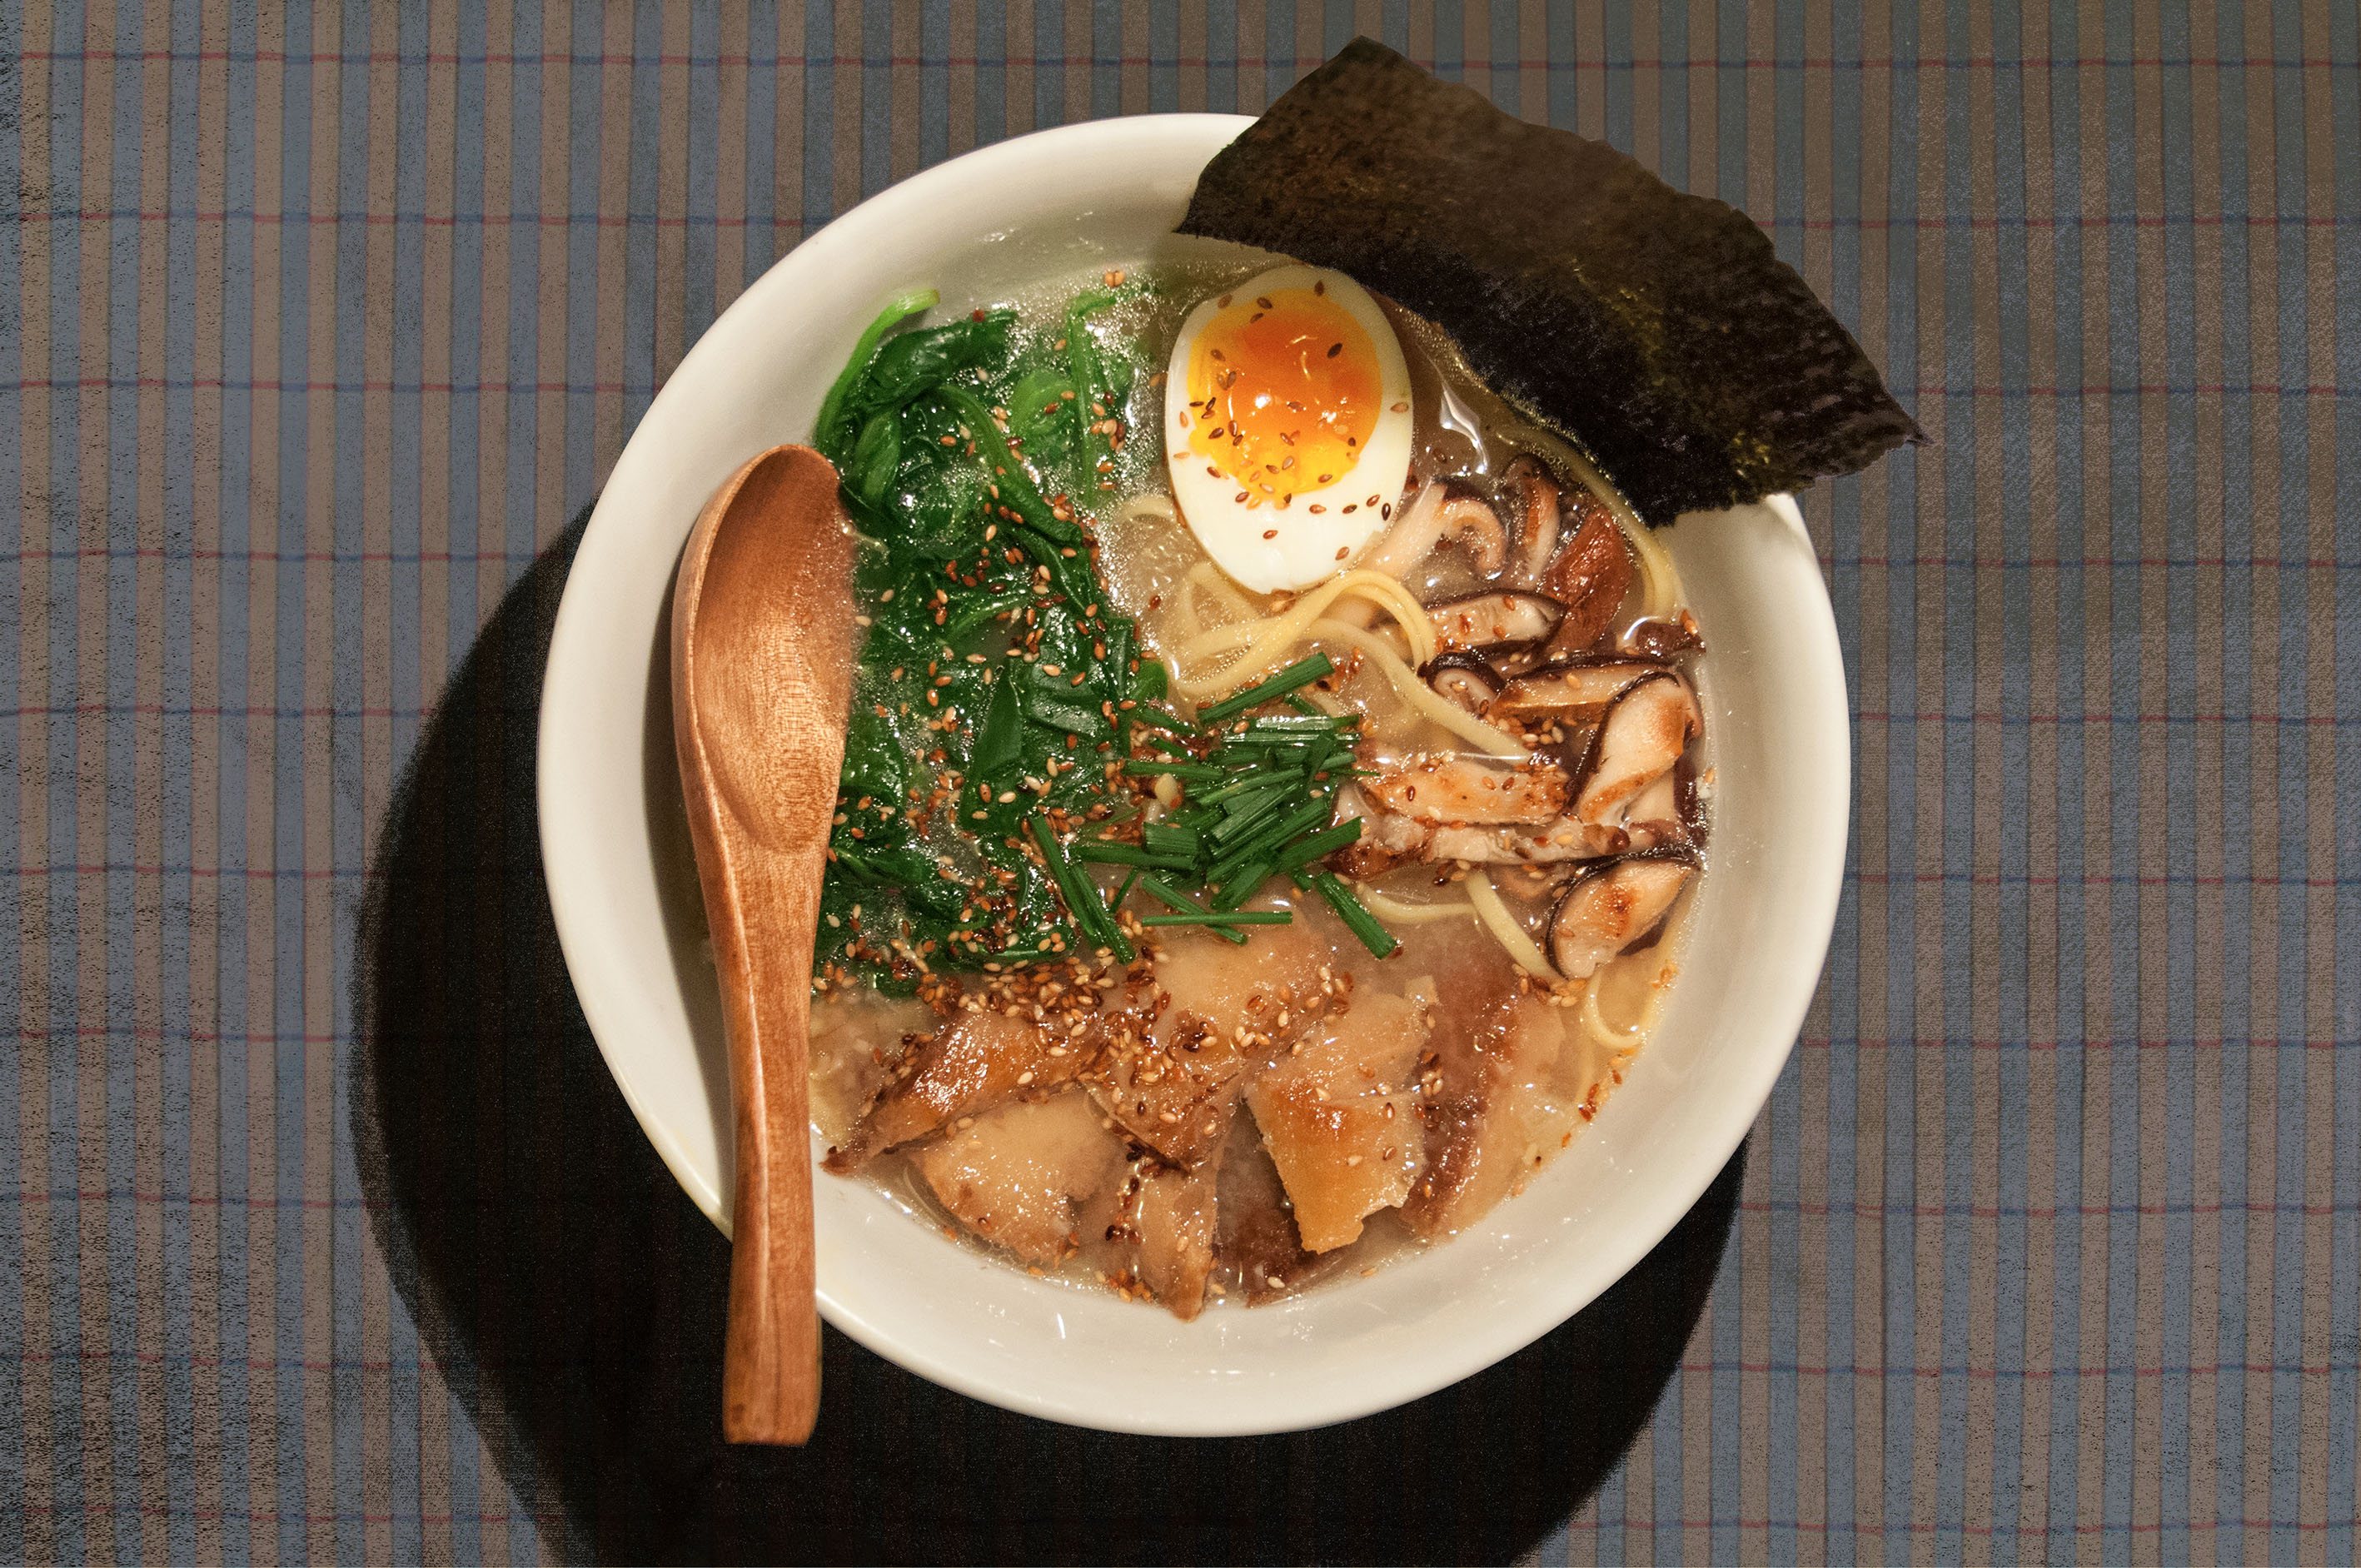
(572, 1298)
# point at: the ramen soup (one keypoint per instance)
(1274, 785)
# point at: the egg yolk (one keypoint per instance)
(1283, 391)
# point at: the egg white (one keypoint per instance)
(1310, 546)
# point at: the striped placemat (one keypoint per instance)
(325, 1236)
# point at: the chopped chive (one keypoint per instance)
(1163, 838)
(1223, 919)
(1101, 853)
(1189, 771)
(1081, 895)
(1265, 841)
(1114, 904)
(1255, 812)
(1241, 885)
(1173, 901)
(1303, 671)
(1364, 925)
(1296, 702)
(1255, 779)
(1305, 850)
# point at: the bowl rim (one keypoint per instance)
(1812, 901)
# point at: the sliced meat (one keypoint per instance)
(1256, 1233)
(1493, 620)
(1591, 575)
(1166, 1220)
(1611, 909)
(1642, 735)
(1016, 1174)
(1217, 1013)
(1460, 790)
(1494, 1112)
(1339, 1117)
(1574, 691)
(1389, 840)
(976, 1063)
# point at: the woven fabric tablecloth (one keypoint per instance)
(324, 1234)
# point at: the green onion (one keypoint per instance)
(1082, 894)
(1193, 771)
(1165, 895)
(1303, 671)
(1105, 852)
(1241, 885)
(1374, 936)
(1163, 838)
(1305, 850)
(1226, 917)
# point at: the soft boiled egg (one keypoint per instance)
(1287, 425)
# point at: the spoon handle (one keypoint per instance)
(770, 1370)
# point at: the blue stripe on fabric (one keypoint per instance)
(2344, 1238)
(471, 352)
(2180, 836)
(1729, 1300)
(1559, 79)
(68, 1337)
(1106, 58)
(934, 82)
(1222, 56)
(700, 239)
(2066, 346)
(1959, 596)
(1616, 46)
(1048, 64)
(176, 772)
(405, 631)
(877, 147)
(642, 184)
(1898, 1252)
(14, 1283)
(2292, 1102)
(234, 1259)
(990, 71)
(122, 677)
(2012, 1256)
(289, 1080)
(2238, 788)
(758, 246)
(348, 1240)
(2127, 784)
(1840, 1344)
(1506, 81)
(1278, 46)
(1789, 1116)
(586, 129)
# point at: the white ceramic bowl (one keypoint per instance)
(624, 888)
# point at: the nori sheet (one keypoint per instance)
(1654, 329)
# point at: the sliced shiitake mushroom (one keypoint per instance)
(1533, 493)
(1643, 733)
(1464, 679)
(1575, 690)
(1611, 908)
(1493, 622)
(1589, 575)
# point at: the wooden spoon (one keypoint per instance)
(762, 677)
